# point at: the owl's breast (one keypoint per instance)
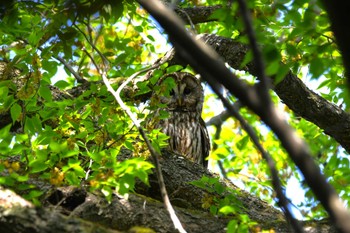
(184, 131)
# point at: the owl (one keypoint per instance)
(181, 96)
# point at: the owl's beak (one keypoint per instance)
(180, 100)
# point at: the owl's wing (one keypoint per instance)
(205, 142)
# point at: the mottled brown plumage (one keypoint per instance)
(185, 126)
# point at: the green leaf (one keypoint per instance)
(45, 92)
(143, 88)
(15, 111)
(107, 191)
(72, 178)
(213, 210)
(37, 166)
(272, 67)
(6, 180)
(57, 146)
(227, 210)
(5, 131)
(33, 124)
(219, 188)
(50, 66)
(317, 67)
(232, 226)
(281, 73)
(4, 90)
(247, 58)
(173, 68)
(62, 84)
(75, 165)
(33, 194)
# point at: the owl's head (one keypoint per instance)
(181, 91)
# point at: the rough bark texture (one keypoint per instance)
(197, 15)
(70, 209)
(293, 92)
(19, 216)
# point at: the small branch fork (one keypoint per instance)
(103, 72)
(207, 62)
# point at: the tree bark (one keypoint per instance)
(292, 91)
(74, 209)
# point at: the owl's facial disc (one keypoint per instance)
(177, 100)
(180, 98)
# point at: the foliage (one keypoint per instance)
(228, 205)
(69, 140)
(74, 138)
(297, 33)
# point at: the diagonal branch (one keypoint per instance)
(283, 202)
(155, 155)
(212, 69)
(265, 83)
(338, 12)
(292, 91)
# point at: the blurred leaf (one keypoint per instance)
(15, 111)
(45, 92)
(317, 67)
(38, 166)
(227, 210)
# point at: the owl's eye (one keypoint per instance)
(187, 91)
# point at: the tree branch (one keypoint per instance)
(292, 91)
(338, 12)
(212, 69)
(283, 202)
(154, 153)
(264, 85)
(200, 14)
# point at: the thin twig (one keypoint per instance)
(104, 59)
(264, 84)
(263, 92)
(283, 202)
(155, 155)
(69, 67)
(219, 119)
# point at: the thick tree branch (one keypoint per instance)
(213, 70)
(82, 211)
(218, 119)
(293, 92)
(338, 12)
(18, 215)
(200, 14)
